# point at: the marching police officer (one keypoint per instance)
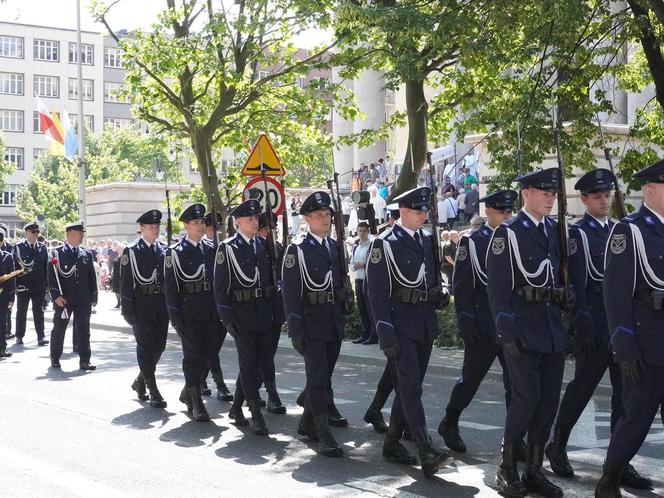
(31, 256)
(72, 283)
(588, 239)
(274, 404)
(244, 294)
(312, 293)
(525, 294)
(143, 303)
(188, 277)
(399, 277)
(475, 321)
(634, 301)
(214, 365)
(7, 291)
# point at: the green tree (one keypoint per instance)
(6, 167)
(215, 76)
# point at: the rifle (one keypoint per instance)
(169, 222)
(348, 301)
(284, 219)
(213, 207)
(563, 229)
(438, 289)
(619, 199)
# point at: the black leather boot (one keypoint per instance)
(274, 404)
(533, 478)
(521, 451)
(186, 399)
(393, 450)
(507, 477)
(374, 416)
(4, 353)
(630, 478)
(430, 458)
(334, 418)
(223, 394)
(305, 426)
(139, 386)
(556, 452)
(608, 485)
(327, 445)
(257, 424)
(199, 413)
(156, 399)
(449, 431)
(205, 390)
(235, 413)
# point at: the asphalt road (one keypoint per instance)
(71, 433)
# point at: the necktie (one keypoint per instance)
(416, 236)
(607, 228)
(542, 229)
(75, 252)
(252, 244)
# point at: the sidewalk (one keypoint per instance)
(443, 361)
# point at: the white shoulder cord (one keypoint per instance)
(396, 272)
(179, 272)
(306, 278)
(244, 280)
(646, 270)
(23, 264)
(594, 273)
(138, 278)
(545, 265)
(475, 262)
(65, 274)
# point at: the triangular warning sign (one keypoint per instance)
(263, 156)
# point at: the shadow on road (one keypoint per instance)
(144, 418)
(192, 434)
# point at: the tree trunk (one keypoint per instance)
(651, 47)
(417, 110)
(201, 144)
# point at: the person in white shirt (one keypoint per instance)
(379, 206)
(357, 264)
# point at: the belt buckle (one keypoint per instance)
(546, 294)
(206, 286)
(330, 297)
(258, 292)
(156, 289)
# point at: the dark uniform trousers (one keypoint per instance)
(477, 359)
(214, 348)
(196, 335)
(254, 350)
(320, 358)
(81, 314)
(362, 306)
(150, 334)
(23, 299)
(4, 313)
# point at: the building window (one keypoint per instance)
(11, 46)
(11, 120)
(89, 121)
(36, 152)
(263, 74)
(15, 155)
(118, 122)
(11, 83)
(46, 50)
(47, 86)
(299, 82)
(111, 91)
(36, 124)
(88, 89)
(8, 197)
(86, 50)
(112, 57)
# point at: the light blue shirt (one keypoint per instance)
(360, 255)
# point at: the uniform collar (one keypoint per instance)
(317, 238)
(532, 218)
(194, 243)
(407, 230)
(659, 216)
(147, 244)
(70, 247)
(600, 222)
(244, 237)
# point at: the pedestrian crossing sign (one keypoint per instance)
(263, 158)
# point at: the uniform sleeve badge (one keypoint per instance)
(289, 260)
(498, 245)
(220, 256)
(462, 253)
(125, 260)
(618, 243)
(169, 261)
(572, 246)
(376, 255)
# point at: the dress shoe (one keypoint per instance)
(274, 404)
(557, 455)
(4, 353)
(156, 399)
(205, 390)
(235, 413)
(42, 342)
(19, 341)
(395, 452)
(55, 363)
(257, 424)
(334, 418)
(608, 485)
(630, 478)
(507, 477)
(449, 430)
(223, 394)
(430, 458)
(139, 386)
(199, 412)
(374, 417)
(10, 336)
(327, 445)
(86, 365)
(360, 340)
(184, 398)
(307, 429)
(371, 340)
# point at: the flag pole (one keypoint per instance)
(81, 120)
